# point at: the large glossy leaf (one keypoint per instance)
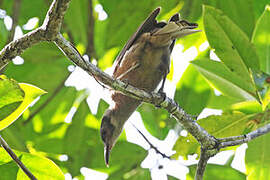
(259, 7)
(41, 167)
(192, 91)
(257, 159)
(225, 81)
(261, 39)
(231, 44)
(236, 10)
(214, 171)
(221, 101)
(230, 124)
(31, 93)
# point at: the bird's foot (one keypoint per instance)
(126, 82)
(163, 95)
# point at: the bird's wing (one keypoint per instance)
(146, 26)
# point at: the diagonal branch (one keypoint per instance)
(50, 31)
(154, 98)
(4, 144)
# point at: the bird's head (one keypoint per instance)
(109, 132)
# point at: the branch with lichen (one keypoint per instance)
(47, 32)
(50, 31)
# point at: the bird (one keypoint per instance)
(143, 63)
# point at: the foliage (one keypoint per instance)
(237, 32)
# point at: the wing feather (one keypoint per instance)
(146, 26)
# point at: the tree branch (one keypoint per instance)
(237, 140)
(154, 98)
(50, 31)
(16, 159)
(202, 164)
(47, 32)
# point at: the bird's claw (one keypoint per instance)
(126, 82)
(163, 95)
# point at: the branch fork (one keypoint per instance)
(50, 31)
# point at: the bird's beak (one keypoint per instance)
(107, 150)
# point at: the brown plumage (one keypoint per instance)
(143, 63)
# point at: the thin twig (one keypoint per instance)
(150, 144)
(16, 159)
(15, 18)
(90, 49)
(237, 140)
(42, 106)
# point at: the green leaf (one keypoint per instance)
(192, 91)
(31, 93)
(224, 80)
(219, 126)
(247, 107)
(259, 7)
(74, 139)
(221, 102)
(231, 44)
(157, 121)
(3, 34)
(236, 10)
(10, 92)
(121, 154)
(214, 171)
(26, 10)
(257, 159)
(44, 66)
(132, 174)
(261, 39)
(42, 168)
(191, 10)
(9, 170)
